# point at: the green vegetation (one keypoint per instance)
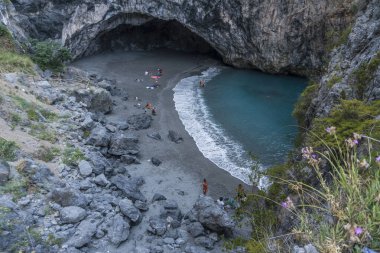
(10, 59)
(71, 156)
(17, 187)
(34, 111)
(15, 120)
(304, 102)
(336, 38)
(50, 55)
(52, 240)
(42, 132)
(7, 150)
(364, 74)
(333, 80)
(47, 154)
(351, 116)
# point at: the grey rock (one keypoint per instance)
(4, 172)
(100, 163)
(131, 212)
(68, 197)
(111, 128)
(96, 99)
(157, 226)
(85, 168)
(128, 159)
(72, 214)
(101, 180)
(83, 233)
(205, 242)
(88, 123)
(43, 84)
(142, 206)
(174, 137)
(170, 205)
(212, 216)
(195, 249)
(155, 161)
(196, 229)
(11, 77)
(141, 249)
(156, 249)
(155, 136)
(123, 126)
(118, 230)
(158, 197)
(140, 121)
(122, 143)
(129, 186)
(168, 240)
(99, 137)
(85, 184)
(309, 248)
(48, 96)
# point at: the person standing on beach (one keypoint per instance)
(205, 186)
(202, 83)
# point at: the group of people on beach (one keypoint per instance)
(149, 106)
(228, 202)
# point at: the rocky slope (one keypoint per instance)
(84, 198)
(354, 69)
(274, 36)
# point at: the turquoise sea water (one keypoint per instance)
(240, 111)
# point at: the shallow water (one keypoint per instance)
(240, 112)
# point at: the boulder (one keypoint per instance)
(4, 172)
(48, 96)
(155, 136)
(157, 226)
(96, 99)
(212, 216)
(174, 137)
(101, 180)
(99, 137)
(36, 173)
(158, 197)
(131, 212)
(88, 123)
(118, 230)
(195, 229)
(129, 186)
(83, 233)
(129, 159)
(140, 121)
(72, 214)
(142, 206)
(68, 197)
(155, 161)
(85, 168)
(205, 242)
(122, 144)
(99, 162)
(194, 249)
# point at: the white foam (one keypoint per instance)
(209, 136)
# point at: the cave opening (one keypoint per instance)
(151, 35)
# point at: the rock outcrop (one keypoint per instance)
(287, 36)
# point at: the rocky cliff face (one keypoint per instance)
(274, 36)
(354, 68)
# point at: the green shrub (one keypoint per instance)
(15, 120)
(50, 55)
(335, 38)
(7, 150)
(333, 80)
(14, 62)
(18, 188)
(47, 154)
(303, 103)
(71, 156)
(43, 133)
(365, 74)
(351, 116)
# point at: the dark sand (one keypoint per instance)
(183, 167)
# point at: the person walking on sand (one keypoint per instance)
(205, 186)
(202, 83)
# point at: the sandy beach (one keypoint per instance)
(183, 166)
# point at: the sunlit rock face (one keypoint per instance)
(271, 35)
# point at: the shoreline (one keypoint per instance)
(182, 160)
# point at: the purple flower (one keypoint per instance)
(358, 231)
(378, 159)
(331, 130)
(356, 142)
(284, 205)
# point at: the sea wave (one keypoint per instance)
(210, 137)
